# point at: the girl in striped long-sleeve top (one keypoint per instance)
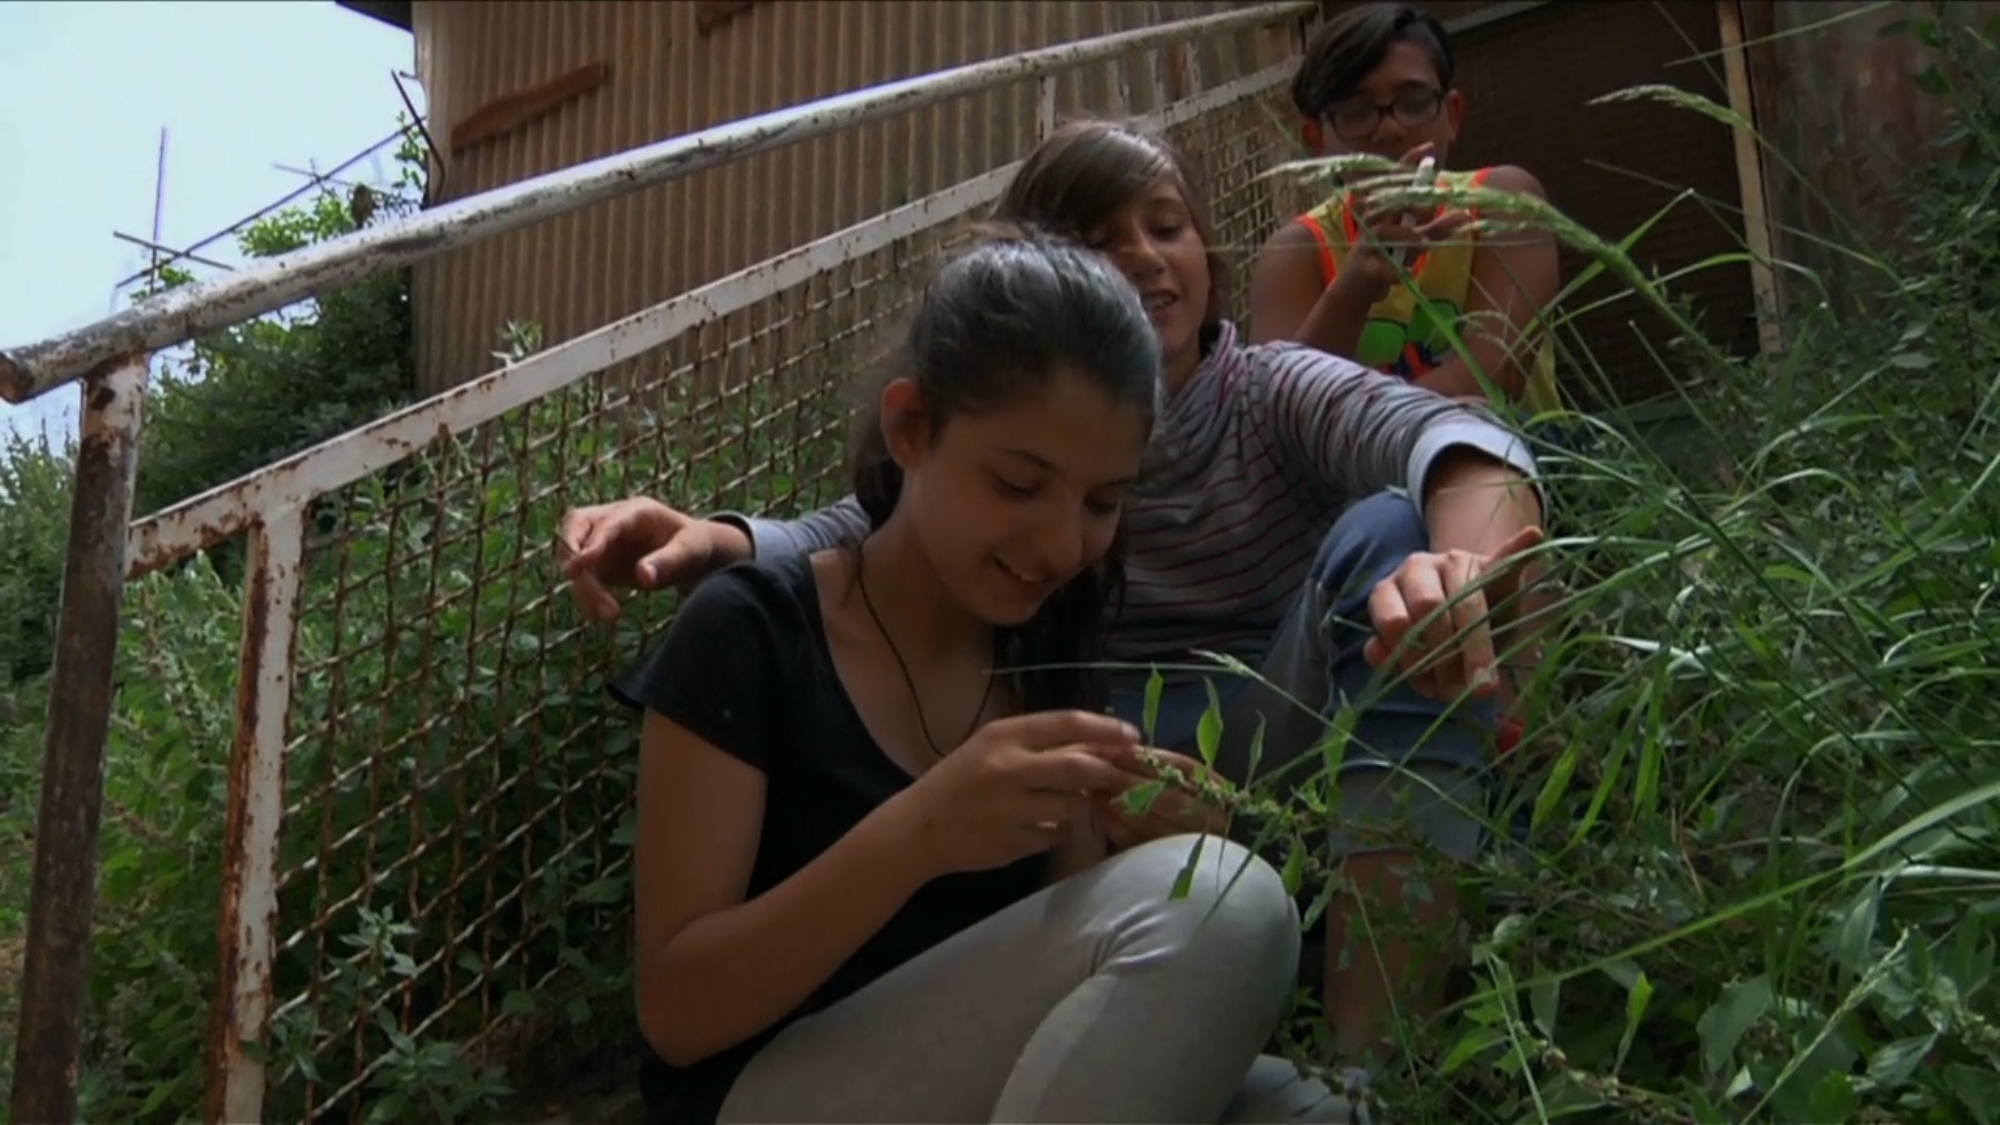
(1295, 511)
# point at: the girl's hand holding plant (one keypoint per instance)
(1178, 808)
(1015, 788)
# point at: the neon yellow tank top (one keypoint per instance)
(1405, 336)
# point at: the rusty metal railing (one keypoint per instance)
(417, 737)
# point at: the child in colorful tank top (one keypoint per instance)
(1377, 80)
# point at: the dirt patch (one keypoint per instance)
(611, 1097)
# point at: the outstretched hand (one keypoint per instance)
(639, 544)
(1434, 617)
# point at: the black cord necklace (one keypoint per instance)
(861, 580)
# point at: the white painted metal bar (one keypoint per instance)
(256, 813)
(289, 485)
(181, 314)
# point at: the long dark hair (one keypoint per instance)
(998, 322)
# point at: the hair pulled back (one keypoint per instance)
(998, 323)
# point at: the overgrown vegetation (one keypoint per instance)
(1758, 881)
(229, 403)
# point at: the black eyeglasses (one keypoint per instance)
(1413, 108)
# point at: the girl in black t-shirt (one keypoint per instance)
(868, 883)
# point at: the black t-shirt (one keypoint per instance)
(747, 667)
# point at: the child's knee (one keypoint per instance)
(1368, 542)
(1232, 898)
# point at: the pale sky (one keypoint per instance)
(85, 87)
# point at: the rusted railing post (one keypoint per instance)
(242, 1011)
(57, 960)
(1190, 64)
(1157, 63)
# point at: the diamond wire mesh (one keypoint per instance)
(458, 784)
(1231, 149)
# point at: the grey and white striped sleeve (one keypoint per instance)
(1359, 431)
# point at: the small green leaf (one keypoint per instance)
(1184, 881)
(1208, 732)
(1854, 938)
(1339, 729)
(1637, 999)
(1832, 1098)
(627, 830)
(1721, 1027)
(1138, 800)
(1544, 1000)
(518, 1004)
(1624, 971)
(1295, 868)
(1474, 1043)
(1893, 1064)
(1151, 719)
(158, 1097)
(1704, 1111)
(1320, 902)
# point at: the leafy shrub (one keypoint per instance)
(34, 525)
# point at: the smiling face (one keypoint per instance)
(1126, 194)
(1154, 241)
(1013, 502)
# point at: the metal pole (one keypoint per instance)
(248, 941)
(65, 882)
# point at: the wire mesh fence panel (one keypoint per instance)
(459, 781)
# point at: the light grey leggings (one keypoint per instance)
(1099, 999)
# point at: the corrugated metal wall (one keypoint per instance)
(668, 75)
